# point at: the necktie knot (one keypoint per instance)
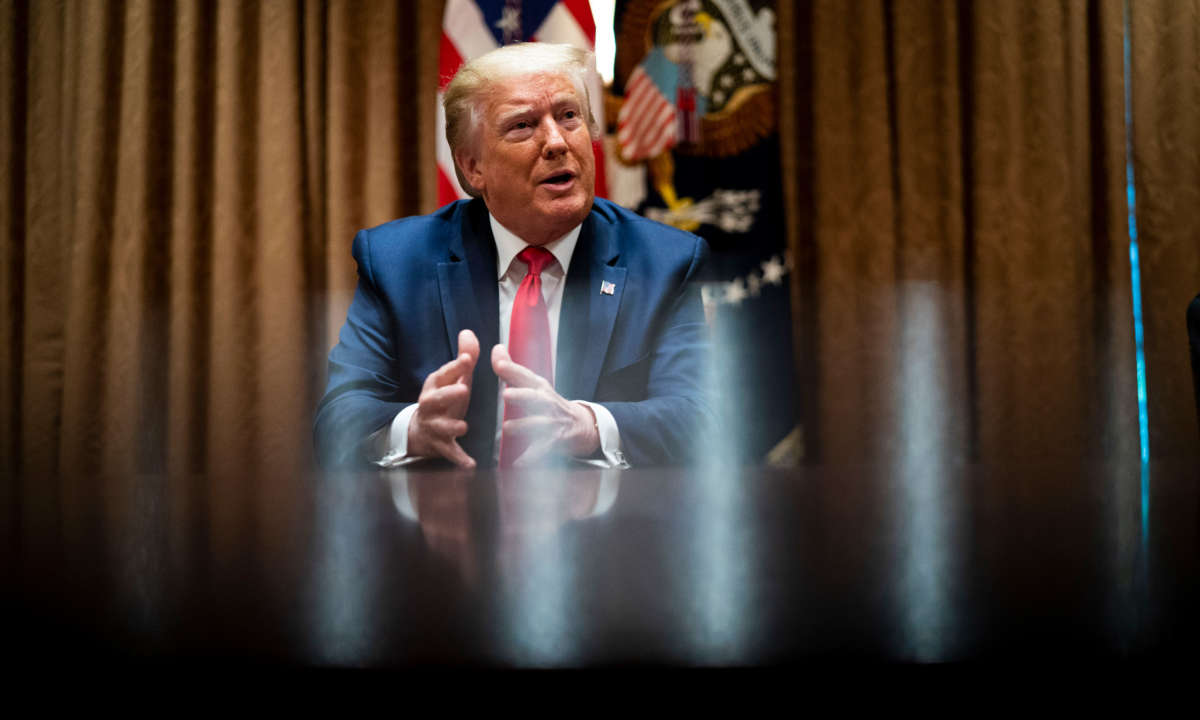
(537, 258)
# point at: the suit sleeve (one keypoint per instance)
(675, 422)
(360, 397)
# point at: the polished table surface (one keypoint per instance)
(582, 567)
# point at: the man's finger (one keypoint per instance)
(448, 373)
(511, 373)
(453, 452)
(445, 428)
(451, 399)
(468, 345)
(499, 355)
(530, 401)
(538, 426)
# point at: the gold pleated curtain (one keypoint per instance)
(957, 174)
(183, 182)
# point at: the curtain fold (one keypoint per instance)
(1053, 319)
(184, 182)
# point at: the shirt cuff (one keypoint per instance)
(610, 439)
(390, 443)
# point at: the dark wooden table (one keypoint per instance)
(581, 567)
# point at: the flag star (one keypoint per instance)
(719, 96)
(735, 292)
(773, 271)
(754, 285)
(510, 20)
(739, 58)
(727, 81)
(748, 74)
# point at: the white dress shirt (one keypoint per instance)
(393, 445)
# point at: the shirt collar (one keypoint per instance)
(508, 245)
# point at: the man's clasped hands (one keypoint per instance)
(535, 417)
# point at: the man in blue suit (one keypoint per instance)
(626, 379)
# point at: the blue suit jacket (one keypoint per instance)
(643, 351)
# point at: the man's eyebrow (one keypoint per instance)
(566, 98)
(517, 109)
(506, 116)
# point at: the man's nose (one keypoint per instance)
(553, 142)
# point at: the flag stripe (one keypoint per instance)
(643, 121)
(642, 111)
(560, 27)
(448, 186)
(601, 188)
(666, 134)
(445, 161)
(663, 123)
(582, 12)
(638, 102)
(449, 61)
(661, 134)
(465, 26)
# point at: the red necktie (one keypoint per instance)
(528, 336)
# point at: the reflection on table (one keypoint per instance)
(584, 567)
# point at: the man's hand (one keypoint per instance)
(438, 422)
(549, 423)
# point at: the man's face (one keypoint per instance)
(532, 162)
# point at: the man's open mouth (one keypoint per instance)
(559, 179)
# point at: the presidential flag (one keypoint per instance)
(698, 111)
(471, 28)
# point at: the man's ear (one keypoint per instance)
(470, 167)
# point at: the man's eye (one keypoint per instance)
(571, 114)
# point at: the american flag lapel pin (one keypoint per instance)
(607, 288)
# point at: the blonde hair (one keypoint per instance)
(464, 98)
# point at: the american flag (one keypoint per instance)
(649, 122)
(473, 27)
(646, 124)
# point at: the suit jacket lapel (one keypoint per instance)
(467, 283)
(587, 317)
(467, 280)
